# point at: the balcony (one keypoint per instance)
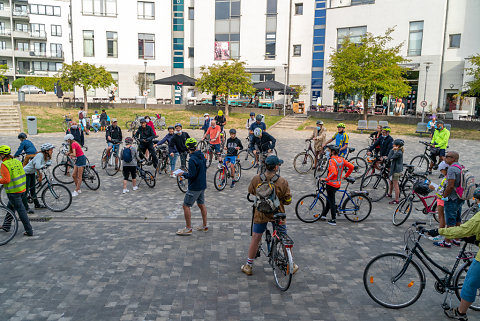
(21, 15)
(6, 52)
(40, 35)
(5, 13)
(5, 33)
(52, 55)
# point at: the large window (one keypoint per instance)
(21, 27)
(227, 29)
(112, 44)
(88, 43)
(145, 10)
(191, 52)
(3, 45)
(41, 9)
(415, 38)
(355, 34)
(40, 48)
(455, 41)
(46, 66)
(107, 8)
(146, 46)
(150, 85)
(38, 30)
(56, 30)
(56, 50)
(299, 9)
(271, 30)
(22, 46)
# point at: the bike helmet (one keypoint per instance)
(319, 122)
(386, 128)
(476, 193)
(257, 132)
(341, 125)
(252, 114)
(68, 137)
(420, 187)
(220, 113)
(128, 140)
(259, 117)
(22, 136)
(143, 120)
(178, 125)
(46, 146)
(333, 147)
(191, 143)
(5, 150)
(398, 142)
(206, 114)
(232, 131)
(170, 127)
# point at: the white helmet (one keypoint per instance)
(68, 137)
(257, 132)
(47, 146)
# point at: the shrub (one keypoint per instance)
(46, 83)
(17, 83)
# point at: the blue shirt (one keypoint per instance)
(168, 137)
(197, 172)
(255, 125)
(341, 140)
(26, 146)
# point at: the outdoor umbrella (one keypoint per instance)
(180, 80)
(271, 85)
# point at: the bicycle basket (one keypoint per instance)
(421, 188)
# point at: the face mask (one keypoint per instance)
(318, 128)
(384, 136)
(74, 127)
(327, 153)
(178, 132)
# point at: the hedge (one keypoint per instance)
(17, 83)
(46, 83)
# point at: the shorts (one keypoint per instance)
(260, 228)
(453, 211)
(194, 196)
(396, 176)
(231, 159)
(471, 283)
(442, 152)
(217, 148)
(129, 171)
(440, 202)
(81, 161)
(114, 146)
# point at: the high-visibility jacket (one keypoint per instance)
(440, 138)
(18, 180)
(336, 165)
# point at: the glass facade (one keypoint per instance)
(227, 29)
(178, 22)
(318, 48)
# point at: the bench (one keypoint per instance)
(448, 126)
(159, 100)
(383, 123)
(362, 125)
(422, 129)
(372, 125)
(194, 122)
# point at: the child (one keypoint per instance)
(442, 167)
(233, 146)
(396, 168)
(129, 164)
(27, 147)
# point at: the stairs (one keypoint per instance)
(10, 120)
(291, 121)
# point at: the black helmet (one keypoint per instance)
(333, 147)
(476, 193)
(259, 117)
(22, 136)
(422, 188)
(171, 127)
(143, 120)
(398, 142)
(232, 131)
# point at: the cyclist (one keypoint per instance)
(233, 146)
(178, 142)
(431, 125)
(145, 135)
(385, 142)
(27, 147)
(129, 167)
(336, 165)
(172, 151)
(150, 124)
(14, 182)
(220, 119)
(443, 168)
(103, 120)
(440, 142)
(250, 121)
(214, 132)
(263, 143)
(258, 123)
(396, 168)
(341, 140)
(375, 136)
(77, 133)
(75, 150)
(206, 122)
(471, 284)
(113, 135)
(197, 183)
(34, 167)
(260, 220)
(319, 135)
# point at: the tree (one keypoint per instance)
(474, 71)
(86, 76)
(140, 82)
(225, 79)
(3, 70)
(18, 83)
(368, 68)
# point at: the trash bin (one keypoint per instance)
(21, 96)
(32, 125)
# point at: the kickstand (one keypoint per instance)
(448, 297)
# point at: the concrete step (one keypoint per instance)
(8, 132)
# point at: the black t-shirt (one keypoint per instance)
(220, 120)
(232, 144)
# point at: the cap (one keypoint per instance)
(273, 160)
(114, 120)
(442, 166)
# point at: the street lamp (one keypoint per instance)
(285, 67)
(427, 67)
(145, 81)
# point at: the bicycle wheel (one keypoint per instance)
(421, 163)
(407, 186)
(63, 173)
(149, 179)
(57, 197)
(363, 153)
(3, 196)
(321, 168)
(238, 171)
(208, 156)
(459, 278)
(303, 163)
(356, 208)
(220, 179)
(360, 168)
(282, 264)
(309, 208)
(128, 124)
(9, 223)
(105, 159)
(113, 164)
(392, 285)
(247, 159)
(61, 157)
(467, 214)
(182, 183)
(90, 178)
(376, 186)
(202, 146)
(402, 212)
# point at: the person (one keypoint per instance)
(260, 220)
(232, 147)
(263, 144)
(129, 157)
(214, 132)
(111, 96)
(27, 147)
(113, 135)
(75, 150)
(396, 168)
(360, 106)
(341, 140)
(214, 100)
(443, 168)
(398, 108)
(385, 104)
(12, 177)
(38, 162)
(250, 121)
(431, 125)
(452, 203)
(385, 142)
(471, 284)
(178, 142)
(206, 123)
(257, 124)
(150, 124)
(319, 136)
(82, 120)
(77, 133)
(145, 136)
(96, 122)
(257, 101)
(197, 183)
(374, 137)
(440, 142)
(172, 151)
(220, 119)
(103, 120)
(336, 166)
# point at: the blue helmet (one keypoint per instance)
(252, 114)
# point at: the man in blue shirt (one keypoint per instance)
(341, 140)
(257, 124)
(27, 147)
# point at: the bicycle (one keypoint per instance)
(304, 161)
(63, 151)
(62, 173)
(66, 123)
(422, 162)
(163, 159)
(111, 162)
(9, 226)
(355, 206)
(159, 122)
(248, 159)
(208, 151)
(363, 153)
(395, 280)
(145, 175)
(359, 169)
(182, 183)
(404, 208)
(220, 180)
(133, 125)
(278, 250)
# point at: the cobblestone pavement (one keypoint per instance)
(115, 257)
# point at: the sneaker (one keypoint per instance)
(456, 243)
(436, 238)
(184, 231)
(172, 176)
(323, 218)
(232, 185)
(442, 244)
(389, 195)
(295, 268)
(135, 188)
(454, 314)
(201, 228)
(332, 222)
(74, 193)
(125, 191)
(393, 202)
(247, 269)
(79, 192)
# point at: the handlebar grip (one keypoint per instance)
(419, 223)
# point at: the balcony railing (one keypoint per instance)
(20, 13)
(39, 54)
(5, 32)
(30, 34)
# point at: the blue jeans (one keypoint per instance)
(15, 203)
(453, 211)
(173, 161)
(96, 126)
(183, 160)
(261, 227)
(471, 283)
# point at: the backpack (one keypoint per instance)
(127, 155)
(467, 184)
(266, 200)
(80, 115)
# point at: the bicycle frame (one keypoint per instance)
(427, 208)
(345, 193)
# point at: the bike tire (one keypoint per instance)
(321, 169)
(376, 186)
(421, 163)
(149, 179)
(468, 213)
(357, 208)
(459, 278)
(309, 208)
(390, 264)
(247, 159)
(182, 184)
(282, 265)
(238, 171)
(90, 178)
(360, 168)
(220, 179)
(104, 161)
(128, 124)
(303, 163)
(363, 153)
(7, 236)
(3, 196)
(52, 195)
(111, 167)
(60, 173)
(402, 211)
(61, 157)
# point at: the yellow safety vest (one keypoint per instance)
(18, 180)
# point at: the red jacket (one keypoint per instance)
(150, 123)
(336, 165)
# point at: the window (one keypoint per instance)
(107, 8)
(272, 7)
(145, 10)
(88, 43)
(455, 41)
(41, 9)
(2, 6)
(299, 9)
(22, 46)
(191, 13)
(146, 46)
(114, 88)
(3, 45)
(415, 38)
(3, 62)
(46, 66)
(227, 29)
(358, 2)
(178, 24)
(23, 67)
(271, 30)
(191, 52)
(355, 34)
(112, 44)
(56, 50)
(21, 27)
(297, 50)
(56, 30)
(150, 86)
(40, 48)
(38, 30)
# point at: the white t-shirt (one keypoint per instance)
(95, 119)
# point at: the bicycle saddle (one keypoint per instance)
(351, 149)
(280, 216)
(351, 180)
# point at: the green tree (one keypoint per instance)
(18, 83)
(86, 76)
(3, 71)
(225, 79)
(368, 68)
(474, 71)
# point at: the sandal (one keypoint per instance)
(393, 202)
(389, 195)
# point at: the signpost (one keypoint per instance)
(423, 104)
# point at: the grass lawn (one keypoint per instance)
(49, 120)
(397, 129)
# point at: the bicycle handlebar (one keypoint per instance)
(248, 198)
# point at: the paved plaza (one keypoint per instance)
(116, 257)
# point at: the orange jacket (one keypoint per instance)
(336, 165)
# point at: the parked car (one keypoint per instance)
(31, 89)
